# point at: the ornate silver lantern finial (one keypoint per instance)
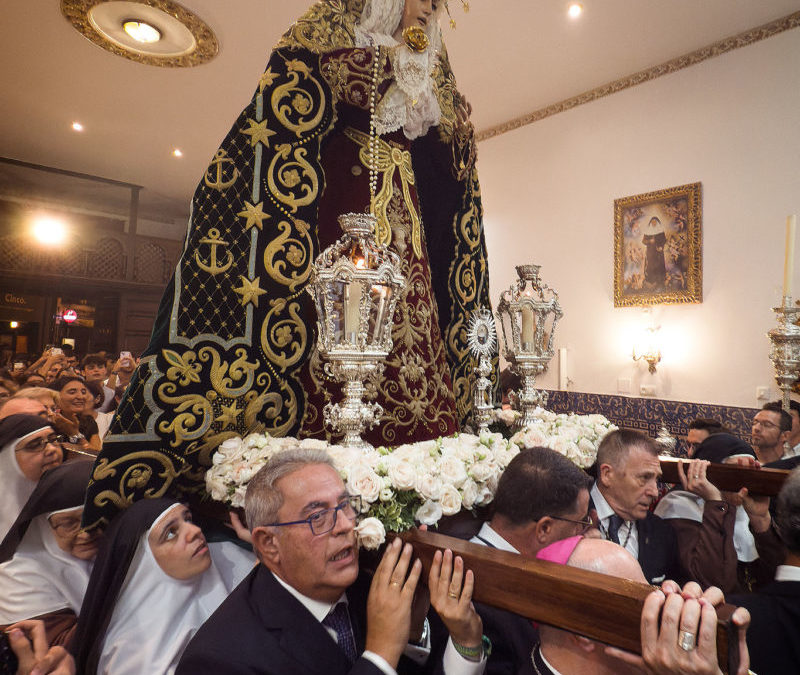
(355, 285)
(482, 340)
(528, 312)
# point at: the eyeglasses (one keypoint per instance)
(766, 425)
(66, 528)
(587, 523)
(324, 521)
(39, 444)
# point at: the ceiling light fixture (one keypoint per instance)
(177, 152)
(77, 126)
(141, 31)
(575, 10)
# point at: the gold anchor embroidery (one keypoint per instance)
(213, 240)
(219, 184)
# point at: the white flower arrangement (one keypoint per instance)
(574, 436)
(419, 482)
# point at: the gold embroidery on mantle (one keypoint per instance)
(388, 159)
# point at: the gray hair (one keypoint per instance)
(617, 445)
(787, 512)
(263, 500)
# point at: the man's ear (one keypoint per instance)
(605, 473)
(543, 532)
(265, 546)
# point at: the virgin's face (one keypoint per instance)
(417, 13)
(178, 545)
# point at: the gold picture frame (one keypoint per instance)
(658, 247)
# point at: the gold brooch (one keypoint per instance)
(415, 38)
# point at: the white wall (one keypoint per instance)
(732, 123)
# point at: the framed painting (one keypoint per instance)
(658, 247)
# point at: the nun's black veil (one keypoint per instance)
(108, 574)
(59, 488)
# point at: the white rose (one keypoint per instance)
(452, 471)
(429, 486)
(362, 480)
(429, 513)
(480, 472)
(371, 533)
(237, 500)
(402, 474)
(450, 501)
(216, 488)
(469, 493)
(230, 447)
(386, 495)
(485, 495)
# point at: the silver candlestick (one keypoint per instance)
(785, 352)
(482, 340)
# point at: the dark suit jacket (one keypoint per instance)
(658, 550)
(262, 629)
(513, 637)
(773, 637)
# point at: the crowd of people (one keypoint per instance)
(79, 396)
(154, 593)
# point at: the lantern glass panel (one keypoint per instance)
(380, 295)
(336, 302)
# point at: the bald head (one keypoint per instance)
(606, 557)
(21, 405)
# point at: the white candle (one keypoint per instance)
(352, 310)
(788, 262)
(527, 329)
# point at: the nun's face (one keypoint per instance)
(178, 545)
(38, 453)
(417, 13)
(66, 526)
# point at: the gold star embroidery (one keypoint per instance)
(254, 215)
(228, 415)
(258, 133)
(249, 290)
(266, 80)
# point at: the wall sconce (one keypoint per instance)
(647, 348)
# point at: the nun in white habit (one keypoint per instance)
(46, 560)
(26, 452)
(153, 585)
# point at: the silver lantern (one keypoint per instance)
(528, 312)
(355, 285)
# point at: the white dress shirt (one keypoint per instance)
(627, 534)
(488, 537)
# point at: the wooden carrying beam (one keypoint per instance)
(731, 477)
(598, 606)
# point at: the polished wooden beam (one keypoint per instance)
(731, 477)
(599, 606)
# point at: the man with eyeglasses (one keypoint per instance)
(307, 609)
(542, 497)
(771, 428)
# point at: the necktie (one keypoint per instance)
(614, 523)
(339, 620)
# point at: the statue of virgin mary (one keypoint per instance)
(233, 346)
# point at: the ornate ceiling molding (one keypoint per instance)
(716, 49)
(206, 47)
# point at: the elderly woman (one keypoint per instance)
(28, 448)
(46, 558)
(153, 585)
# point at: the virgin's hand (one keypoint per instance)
(389, 602)
(238, 526)
(451, 596)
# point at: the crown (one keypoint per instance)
(464, 3)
